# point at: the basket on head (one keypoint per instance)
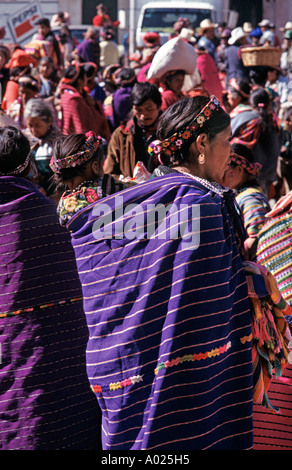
(262, 55)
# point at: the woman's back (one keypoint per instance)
(45, 402)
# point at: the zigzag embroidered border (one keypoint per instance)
(174, 362)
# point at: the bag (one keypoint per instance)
(175, 54)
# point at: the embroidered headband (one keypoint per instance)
(18, 170)
(85, 153)
(175, 142)
(251, 168)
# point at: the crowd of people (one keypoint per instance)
(116, 334)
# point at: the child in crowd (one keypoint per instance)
(78, 166)
(249, 195)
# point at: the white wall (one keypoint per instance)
(74, 7)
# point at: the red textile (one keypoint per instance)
(209, 74)
(11, 94)
(168, 98)
(80, 113)
(273, 431)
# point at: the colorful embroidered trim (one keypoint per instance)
(251, 168)
(193, 357)
(85, 153)
(39, 307)
(246, 339)
(173, 362)
(175, 142)
(117, 385)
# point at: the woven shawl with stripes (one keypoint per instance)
(169, 351)
(45, 400)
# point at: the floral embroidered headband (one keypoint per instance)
(85, 153)
(251, 168)
(172, 144)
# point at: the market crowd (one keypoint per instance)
(136, 342)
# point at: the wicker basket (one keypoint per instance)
(267, 56)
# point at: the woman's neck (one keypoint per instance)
(194, 170)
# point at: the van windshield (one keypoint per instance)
(164, 19)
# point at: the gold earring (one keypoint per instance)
(201, 159)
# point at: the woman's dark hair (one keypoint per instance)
(90, 69)
(243, 86)
(261, 101)
(44, 21)
(144, 91)
(244, 152)
(182, 113)
(14, 148)
(69, 145)
(71, 71)
(126, 77)
(258, 75)
(16, 71)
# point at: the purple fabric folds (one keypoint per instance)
(169, 351)
(45, 398)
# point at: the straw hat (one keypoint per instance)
(264, 23)
(236, 34)
(247, 27)
(207, 24)
(287, 26)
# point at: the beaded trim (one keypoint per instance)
(173, 143)
(39, 307)
(215, 187)
(18, 170)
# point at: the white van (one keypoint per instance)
(161, 16)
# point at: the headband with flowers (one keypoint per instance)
(251, 168)
(85, 153)
(173, 143)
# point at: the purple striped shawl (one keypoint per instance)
(45, 401)
(169, 354)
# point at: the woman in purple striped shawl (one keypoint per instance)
(166, 299)
(45, 398)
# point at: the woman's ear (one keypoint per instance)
(97, 167)
(201, 142)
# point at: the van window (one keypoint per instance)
(163, 19)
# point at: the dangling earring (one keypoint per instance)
(201, 159)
